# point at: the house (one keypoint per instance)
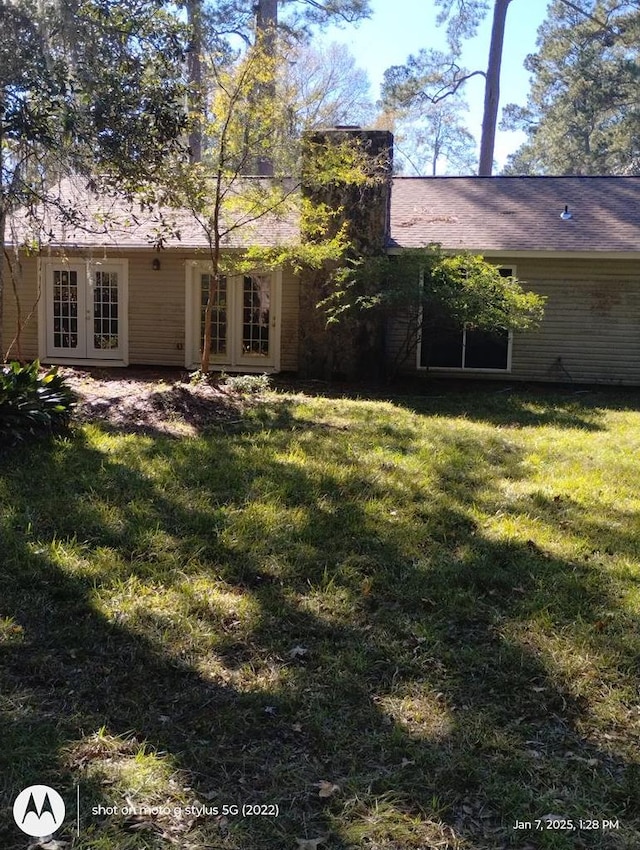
(105, 295)
(575, 240)
(115, 284)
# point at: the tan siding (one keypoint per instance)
(26, 307)
(290, 319)
(591, 328)
(397, 339)
(157, 310)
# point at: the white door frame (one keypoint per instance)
(234, 360)
(85, 352)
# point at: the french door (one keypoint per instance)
(244, 320)
(85, 310)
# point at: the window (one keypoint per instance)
(466, 347)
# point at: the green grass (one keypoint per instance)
(408, 623)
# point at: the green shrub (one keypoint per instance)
(247, 384)
(32, 404)
(198, 377)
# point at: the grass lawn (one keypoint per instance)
(405, 624)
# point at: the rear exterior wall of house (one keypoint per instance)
(156, 308)
(590, 332)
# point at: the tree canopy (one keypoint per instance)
(91, 87)
(431, 135)
(583, 111)
(585, 78)
(90, 84)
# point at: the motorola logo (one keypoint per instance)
(39, 811)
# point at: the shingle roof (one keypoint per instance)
(516, 213)
(461, 213)
(77, 217)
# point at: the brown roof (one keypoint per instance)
(516, 213)
(77, 217)
(483, 214)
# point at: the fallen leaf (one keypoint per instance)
(298, 651)
(297, 727)
(53, 844)
(209, 795)
(327, 788)
(311, 843)
(270, 709)
(406, 762)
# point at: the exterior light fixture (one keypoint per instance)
(155, 265)
(566, 215)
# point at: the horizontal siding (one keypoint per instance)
(157, 309)
(290, 320)
(590, 331)
(591, 328)
(21, 308)
(400, 344)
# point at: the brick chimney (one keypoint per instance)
(353, 349)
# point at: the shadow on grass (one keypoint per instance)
(392, 647)
(515, 405)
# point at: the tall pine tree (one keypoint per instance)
(583, 111)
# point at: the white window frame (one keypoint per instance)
(462, 367)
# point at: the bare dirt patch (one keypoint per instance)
(152, 400)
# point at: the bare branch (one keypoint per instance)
(446, 91)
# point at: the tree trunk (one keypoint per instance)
(194, 70)
(492, 89)
(214, 288)
(266, 15)
(266, 35)
(3, 228)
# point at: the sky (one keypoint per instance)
(400, 27)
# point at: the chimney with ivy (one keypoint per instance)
(353, 347)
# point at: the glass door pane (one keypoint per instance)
(256, 316)
(218, 314)
(106, 300)
(65, 309)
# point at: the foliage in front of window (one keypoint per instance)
(430, 289)
(32, 404)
